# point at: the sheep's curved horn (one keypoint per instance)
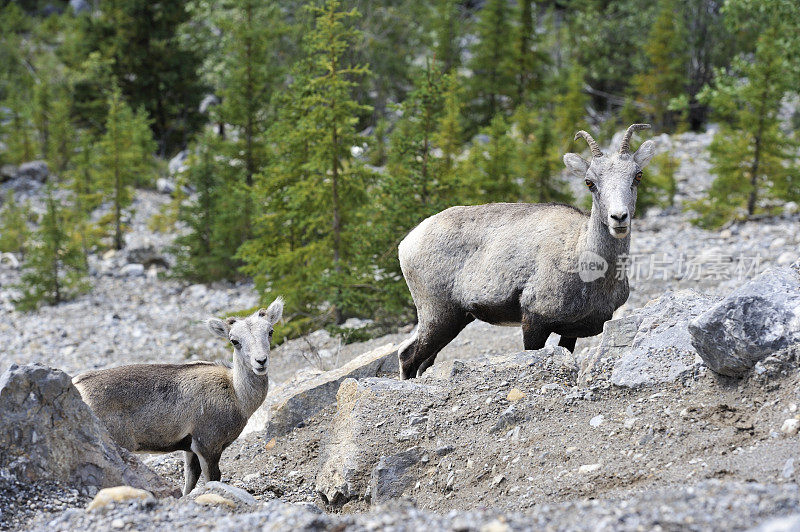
(596, 151)
(625, 147)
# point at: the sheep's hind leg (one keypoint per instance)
(533, 335)
(569, 343)
(432, 337)
(191, 471)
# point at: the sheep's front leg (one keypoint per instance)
(534, 335)
(191, 471)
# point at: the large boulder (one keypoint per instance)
(649, 346)
(47, 432)
(35, 170)
(289, 406)
(754, 321)
(146, 256)
(373, 414)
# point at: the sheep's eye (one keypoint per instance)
(637, 177)
(589, 183)
(235, 343)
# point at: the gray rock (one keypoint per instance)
(756, 320)
(288, 406)
(241, 497)
(208, 101)
(146, 256)
(165, 186)
(389, 479)
(7, 172)
(34, 170)
(361, 423)
(132, 270)
(80, 6)
(790, 523)
(507, 419)
(47, 432)
(649, 346)
(177, 164)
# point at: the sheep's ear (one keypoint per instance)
(274, 312)
(576, 164)
(644, 153)
(218, 327)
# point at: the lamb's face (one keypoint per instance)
(251, 336)
(613, 181)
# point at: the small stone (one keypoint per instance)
(515, 395)
(271, 444)
(495, 526)
(212, 499)
(108, 496)
(589, 468)
(132, 270)
(597, 420)
(232, 491)
(497, 480)
(117, 523)
(788, 468)
(791, 426)
(552, 387)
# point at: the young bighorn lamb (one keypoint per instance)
(538, 265)
(197, 408)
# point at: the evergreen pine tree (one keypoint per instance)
(81, 182)
(120, 161)
(493, 86)
(750, 154)
(205, 253)
(313, 258)
(14, 231)
(55, 266)
(539, 158)
(250, 71)
(667, 75)
(450, 132)
(570, 108)
(411, 189)
(447, 33)
(139, 41)
(528, 59)
(491, 168)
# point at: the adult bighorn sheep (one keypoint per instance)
(549, 267)
(198, 408)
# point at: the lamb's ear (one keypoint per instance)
(218, 327)
(576, 164)
(644, 153)
(274, 312)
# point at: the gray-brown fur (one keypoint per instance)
(516, 263)
(199, 408)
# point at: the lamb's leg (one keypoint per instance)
(534, 335)
(432, 336)
(191, 471)
(569, 343)
(209, 461)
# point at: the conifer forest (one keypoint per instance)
(312, 136)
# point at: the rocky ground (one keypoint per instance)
(485, 440)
